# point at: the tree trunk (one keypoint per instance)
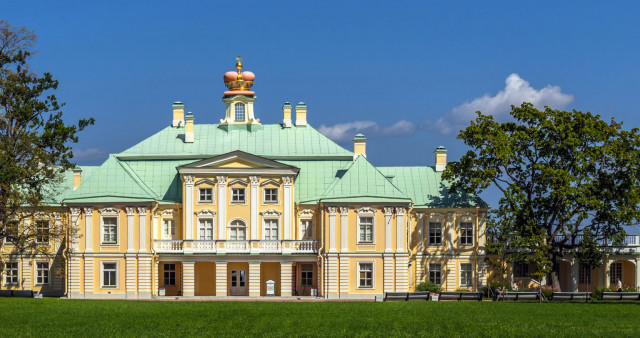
(555, 281)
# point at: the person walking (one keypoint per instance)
(515, 286)
(619, 285)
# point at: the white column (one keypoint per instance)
(25, 276)
(221, 279)
(188, 206)
(255, 200)
(400, 235)
(344, 276)
(130, 277)
(188, 279)
(254, 278)
(142, 213)
(420, 232)
(130, 213)
(285, 279)
(332, 228)
(88, 276)
(387, 272)
(144, 277)
(222, 208)
(574, 275)
(88, 229)
(637, 273)
(450, 230)
(286, 203)
(344, 229)
(75, 213)
(388, 212)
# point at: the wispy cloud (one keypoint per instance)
(346, 131)
(89, 155)
(516, 91)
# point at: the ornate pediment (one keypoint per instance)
(108, 210)
(369, 210)
(306, 213)
(271, 212)
(205, 212)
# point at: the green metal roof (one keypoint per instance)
(314, 178)
(362, 182)
(427, 189)
(270, 141)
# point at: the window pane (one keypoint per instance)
(239, 112)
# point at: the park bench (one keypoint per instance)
(16, 293)
(390, 296)
(522, 295)
(418, 295)
(460, 295)
(586, 296)
(620, 296)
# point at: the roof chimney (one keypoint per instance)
(441, 158)
(359, 146)
(286, 110)
(178, 114)
(188, 129)
(77, 177)
(301, 114)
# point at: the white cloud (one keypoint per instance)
(89, 155)
(346, 131)
(516, 91)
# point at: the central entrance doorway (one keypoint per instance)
(238, 283)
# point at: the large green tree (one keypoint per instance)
(559, 172)
(35, 141)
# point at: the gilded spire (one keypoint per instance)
(239, 67)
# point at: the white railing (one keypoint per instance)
(629, 240)
(259, 247)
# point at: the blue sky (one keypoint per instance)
(406, 74)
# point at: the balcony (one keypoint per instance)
(629, 241)
(235, 247)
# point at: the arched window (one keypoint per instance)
(237, 231)
(240, 112)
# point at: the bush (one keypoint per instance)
(429, 286)
(625, 288)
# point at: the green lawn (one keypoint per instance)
(58, 317)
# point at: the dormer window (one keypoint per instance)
(240, 112)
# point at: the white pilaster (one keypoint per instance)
(88, 229)
(402, 273)
(144, 276)
(450, 230)
(130, 213)
(25, 276)
(130, 277)
(286, 206)
(188, 279)
(400, 235)
(285, 279)
(142, 213)
(332, 228)
(387, 266)
(74, 277)
(255, 203)
(574, 275)
(344, 230)
(637, 273)
(188, 206)
(331, 277)
(420, 232)
(75, 213)
(450, 275)
(254, 278)
(344, 276)
(222, 214)
(388, 212)
(221, 279)
(88, 276)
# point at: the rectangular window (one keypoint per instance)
(169, 275)
(366, 230)
(435, 273)
(270, 229)
(110, 230)
(42, 231)
(435, 233)
(239, 112)
(206, 195)
(466, 275)
(11, 273)
(306, 229)
(42, 273)
(584, 275)
(615, 272)
(365, 272)
(11, 230)
(206, 229)
(270, 195)
(168, 228)
(306, 275)
(521, 270)
(466, 233)
(237, 195)
(109, 275)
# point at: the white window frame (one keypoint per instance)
(232, 201)
(205, 201)
(38, 270)
(429, 270)
(373, 228)
(305, 234)
(264, 195)
(168, 235)
(175, 274)
(613, 275)
(441, 228)
(37, 229)
(110, 212)
(460, 275)
(466, 235)
(6, 239)
(266, 220)
(373, 275)
(213, 227)
(117, 273)
(235, 111)
(229, 229)
(5, 272)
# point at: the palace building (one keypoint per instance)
(242, 208)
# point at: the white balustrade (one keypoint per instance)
(267, 247)
(168, 246)
(204, 246)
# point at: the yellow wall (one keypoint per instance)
(269, 271)
(205, 279)
(378, 273)
(170, 290)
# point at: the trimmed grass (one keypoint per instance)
(62, 317)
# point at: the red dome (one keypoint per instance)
(230, 76)
(248, 76)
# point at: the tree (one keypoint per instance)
(559, 173)
(35, 143)
(587, 253)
